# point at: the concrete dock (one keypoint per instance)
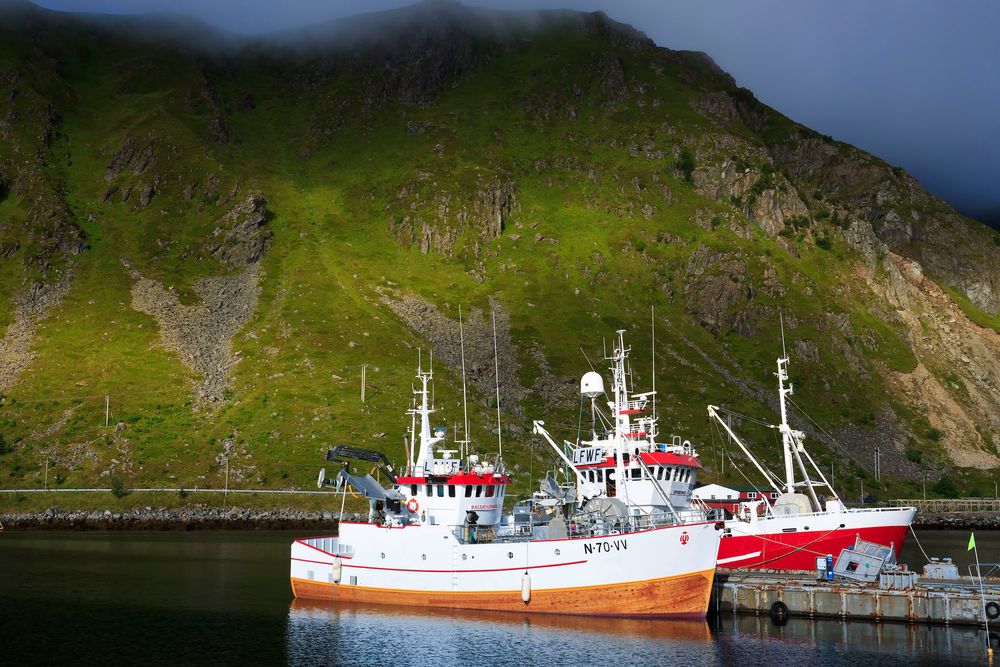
(781, 594)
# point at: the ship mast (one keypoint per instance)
(791, 439)
(786, 435)
(425, 453)
(496, 367)
(620, 391)
(464, 442)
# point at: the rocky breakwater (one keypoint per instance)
(188, 518)
(965, 521)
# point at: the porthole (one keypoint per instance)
(465, 556)
(557, 552)
(383, 556)
(423, 556)
(510, 554)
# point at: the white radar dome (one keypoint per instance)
(591, 385)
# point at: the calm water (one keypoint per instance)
(223, 598)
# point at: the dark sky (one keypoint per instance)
(917, 82)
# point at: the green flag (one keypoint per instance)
(972, 541)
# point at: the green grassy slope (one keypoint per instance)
(329, 150)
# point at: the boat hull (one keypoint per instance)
(660, 573)
(772, 544)
(681, 597)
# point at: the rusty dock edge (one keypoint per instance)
(956, 602)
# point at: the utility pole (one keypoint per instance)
(364, 368)
(46, 473)
(878, 470)
(107, 409)
(924, 483)
(862, 492)
(225, 496)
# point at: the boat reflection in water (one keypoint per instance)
(326, 632)
(332, 633)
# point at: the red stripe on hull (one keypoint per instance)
(799, 550)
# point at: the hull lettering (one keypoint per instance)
(605, 547)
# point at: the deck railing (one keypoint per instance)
(950, 505)
(591, 524)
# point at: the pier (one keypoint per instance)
(894, 598)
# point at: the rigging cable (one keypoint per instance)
(823, 430)
(742, 417)
(732, 462)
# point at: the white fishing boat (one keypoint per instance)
(624, 462)
(438, 537)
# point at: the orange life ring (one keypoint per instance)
(412, 505)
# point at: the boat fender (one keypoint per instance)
(992, 611)
(779, 613)
(336, 568)
(412, 505)
(526, 588)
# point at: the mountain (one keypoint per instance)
(203, 238)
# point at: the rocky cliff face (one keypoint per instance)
(40, 239)
(557, 168)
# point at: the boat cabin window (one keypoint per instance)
(636, 473)
(413, 489)
(440, 490)
(479, 490)
(468, 490)
(489, 491)
(451, 490)
(430, 490)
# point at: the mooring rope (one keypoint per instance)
(917, 539)
(795, 550)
